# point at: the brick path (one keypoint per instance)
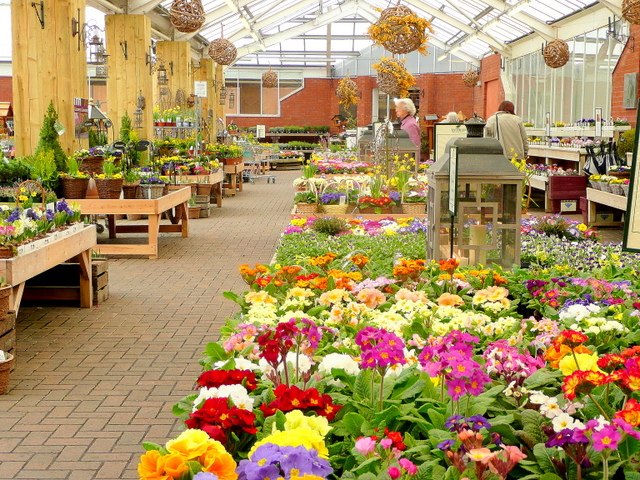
(91, 385)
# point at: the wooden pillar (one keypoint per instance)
(47, 65)
(128, 43)
(206, 72)
(177, 60)
(220, 108)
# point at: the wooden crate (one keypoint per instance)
(100, 274)
(8, 335)
(100, 296)
(205, 211)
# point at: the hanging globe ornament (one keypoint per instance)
(400, 31)
(269, 79)
(187, 16)
(631, 11)
(222, 51)
(470, 78)
(556, 53)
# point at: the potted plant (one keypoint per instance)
(333, 202)
(109, 183)
(306, 202)
(152, 187)
(194, 208)
(414, 202)
(231, 154)
(74, 182)
(131, 184)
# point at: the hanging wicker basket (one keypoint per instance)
(556, 53)
(347, 92)
(470, 78)
(222, 51)
(269, 79)
(407, 30)
(631, 11)
(187, 16)
(393, 77)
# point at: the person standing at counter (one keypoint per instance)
(405, 111)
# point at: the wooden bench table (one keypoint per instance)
(595, 197)
(152, 208)
(236, 177)
(47, 253)
(214, 179)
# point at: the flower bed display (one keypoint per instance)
(366, 361)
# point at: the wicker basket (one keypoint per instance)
(470, 78)
(625, 189)
(131, 191)
(151, 192)
(5, 295)
(309, 208)
(109, 188)
(74, 187)
(631, 11)
(347, 89)
(335, 209)
(414, 208)
(269, 79)
(187, 16)
(595, 184)
(92, 165)
(616, 188)
(5, 372)
(222, 51)
(556, 53)
(605, 187)
(409, 36)
(388, 82)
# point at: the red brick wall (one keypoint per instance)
(6, 89)
(629, 62)
(489, 71)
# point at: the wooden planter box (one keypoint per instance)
(8, 335)
(564, 189)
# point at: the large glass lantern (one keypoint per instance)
(364, 144)
(486, 229)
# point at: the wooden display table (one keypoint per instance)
(541, 182)
(236, 177)
(74, 245)
(595, 197)
(550, 154)
(152, 208)
(214, 179)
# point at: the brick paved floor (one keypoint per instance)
(92, 384)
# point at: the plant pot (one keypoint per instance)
(151, 192)
(335, 209)
(232, 161)
(204, 189)
(74, 187)
(414, 208)
(109, 188)
(7, 252)
(376, 210)
(194, 212)
(5, 296)
(5, 372)
(130, 191)
(92, 165)
(307, 208)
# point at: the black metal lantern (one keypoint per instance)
(223, 95)
(137, 118)
(163, 80)
(232, 100)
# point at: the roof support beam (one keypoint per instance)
(143, 6)
(545, 31)
(614, 5)
(347, 8)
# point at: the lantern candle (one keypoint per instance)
(478, 236)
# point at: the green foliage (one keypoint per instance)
(44, 168)
(625, 142)
(126, 128)
(424, 143)
(330, 225)
(18, 169)
(97, 138)
(305, 197)
(49, 139)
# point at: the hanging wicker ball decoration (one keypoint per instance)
(556, 53)
(393, 77)
(222, 51)
(407, 35)
(470, 78)
(187, 16)
(269, 79)
(347, 92)
(631, 11)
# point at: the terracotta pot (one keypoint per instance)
(232, 161)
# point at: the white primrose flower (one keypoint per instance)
(237, 393)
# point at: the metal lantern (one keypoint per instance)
(364, 144)
(137, 118)
(486, 228)
(97, 52)
(162, 76)
(232, 100)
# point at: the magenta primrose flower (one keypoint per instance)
(607, 437)
(380, 348)
(365, 445)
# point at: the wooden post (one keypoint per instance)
(206, 72)
(177, 60)
(47, 65)
(128, 44)
(219, 109)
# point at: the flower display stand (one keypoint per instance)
(215, 179)
(564, 188)
(40, 256)
(152, 208)
(597, 197)
(235, 171)
(353, 214)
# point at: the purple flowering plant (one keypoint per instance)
(275, 461)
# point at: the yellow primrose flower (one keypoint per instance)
(586, 362)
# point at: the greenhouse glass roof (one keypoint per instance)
(318, 32)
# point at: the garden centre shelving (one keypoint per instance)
(37, 257)
(153, 208)
(598, 197)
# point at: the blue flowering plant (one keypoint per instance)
(151, 181)
(331, 198)
(285, 462)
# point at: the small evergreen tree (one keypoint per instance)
(49, 139)
(125, 129)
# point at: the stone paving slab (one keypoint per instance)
(92, 384)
